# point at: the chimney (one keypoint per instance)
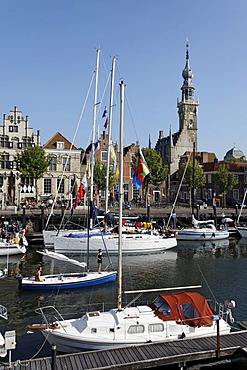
(161, 134)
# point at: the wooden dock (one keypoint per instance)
(181, 353)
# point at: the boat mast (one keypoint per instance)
(109, 134)
(119, 298)
(94, 125)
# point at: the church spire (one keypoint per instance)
(187, 74)
(149, 143)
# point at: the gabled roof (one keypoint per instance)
(58, 137)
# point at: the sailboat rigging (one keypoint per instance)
(169, 317)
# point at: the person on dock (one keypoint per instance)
(99, 257)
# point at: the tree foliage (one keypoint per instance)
(193, 181)
(158, 172)
(199, 175)
(100, 176)
(33, 163)
(224, 180)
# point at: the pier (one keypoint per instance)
(182, 354)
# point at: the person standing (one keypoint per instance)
(99, 257)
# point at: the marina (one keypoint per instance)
(219, 268)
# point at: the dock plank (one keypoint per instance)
(141, 356)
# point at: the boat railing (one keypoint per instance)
(51, 314)
(224, 310)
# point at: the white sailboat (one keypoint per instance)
(67, 280)
(169, 317)
(201, 230)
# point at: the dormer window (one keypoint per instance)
(60, 145)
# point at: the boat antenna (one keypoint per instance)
(119, 292)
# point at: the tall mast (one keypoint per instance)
(119, 298)
(109, 134)
(94, 124)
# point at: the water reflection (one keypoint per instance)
(220, 268)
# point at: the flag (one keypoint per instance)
(80, 192)
(113, 158)
(88, 169)
(106, 122)
(92, 157)
(104, 113)
(84, 181)
(140, 171)
(97, 141)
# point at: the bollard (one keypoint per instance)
(53, 356)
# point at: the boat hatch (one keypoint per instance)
(93, 314)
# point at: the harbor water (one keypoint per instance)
(219, 267)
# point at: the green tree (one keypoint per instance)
(99, 175)
(33, 163)
(224, 180)
(158, 173)
(193, 181)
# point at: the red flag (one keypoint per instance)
(106, 122)
(81, 192)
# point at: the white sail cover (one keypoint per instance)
(62, 257)
(196, 222)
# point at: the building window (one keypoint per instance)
(236, 178)
(235, 194)
(135, 193)
(104, 156)
(60, 144)
(209, 178)
(13, 128)
(60, 186)
(47, 186)
(245, 179)
(53, 165)
(66, 163)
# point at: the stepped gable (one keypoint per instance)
(58, 137)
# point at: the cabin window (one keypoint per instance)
(93, 330)
(136, 329)
(111, 330)
(154, 328)
(189, 311)
(162, 306)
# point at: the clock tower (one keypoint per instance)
(188, 107)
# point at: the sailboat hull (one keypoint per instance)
(115, 329)
(132, 244)
(201, 234)
(7, 249)
(69, 281)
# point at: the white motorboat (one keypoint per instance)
(169, 317)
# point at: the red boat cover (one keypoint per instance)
(186, 308)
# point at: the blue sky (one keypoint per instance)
(48, 54)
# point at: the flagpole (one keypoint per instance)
(109, 135)
(93, 129)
